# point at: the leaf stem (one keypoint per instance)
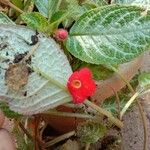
(116, 121)
(87, 146)
(128, 104)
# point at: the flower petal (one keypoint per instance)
(85, 72)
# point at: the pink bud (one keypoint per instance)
(61, 34)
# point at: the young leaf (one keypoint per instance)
(110, 35)
(46, 87)
(91, 132)
(75, 9)
(140, 3)
(53, 6)
(42, 6)
(47, 7)
(36, 21)
(144, 80)
(4, 19)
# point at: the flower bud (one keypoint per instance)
(61, 34)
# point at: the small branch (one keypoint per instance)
(116, 121)
(26, 132)
(59, 138)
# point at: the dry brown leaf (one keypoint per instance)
(17, 76)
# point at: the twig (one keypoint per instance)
(114, 120)
(59, 138)
(26, 132)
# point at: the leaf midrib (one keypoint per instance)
(110, 32)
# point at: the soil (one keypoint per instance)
(132, 133)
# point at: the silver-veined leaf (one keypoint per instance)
(4, 19)
(46, 84)
(110, 35)
(140, 3)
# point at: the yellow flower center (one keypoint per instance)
(76, 84)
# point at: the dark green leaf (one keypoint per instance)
(144, 80)
(36, 21)
(141, 3)
(110, 35)
(9, 113)
(91, 132)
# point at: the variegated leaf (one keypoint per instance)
(140, 3)
(110, 35)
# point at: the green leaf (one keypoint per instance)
(9, 113)
(35, 20)
(18, 3)
(22, 143)
(111, 104)
(53, 7)
(99, 72)
(75, 9)
(47, 7)
(4, 19)
(110, 35)
(42, 6)
(46, 87)
(57, 18)
(144, 80)
(91, 132)
(140, 3)
(98, 2)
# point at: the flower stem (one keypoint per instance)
(116, 121)
(67, 114)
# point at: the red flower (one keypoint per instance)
(81, 85)
(61, 34)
